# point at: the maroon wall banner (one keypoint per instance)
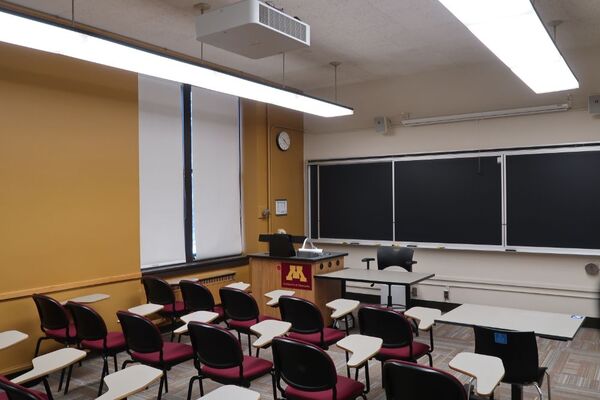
(296, 276)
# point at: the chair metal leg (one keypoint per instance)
(68, 379)
(274, 386)
(160, 387)
(347, 367)
(47, 388)
(191, 386)
(166, 381)
(539, 390)
(201, 387)
(470, 388)
(249, 345)
(37, 346)
(62, 378)
(104, 371)
(548, 384)
(116, 363)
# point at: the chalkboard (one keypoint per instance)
(314, 201)
(553, 200)
(355, 201)
(449, 200)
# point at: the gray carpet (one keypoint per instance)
(574, 369)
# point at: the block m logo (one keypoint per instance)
(296, 276)
(296, 273)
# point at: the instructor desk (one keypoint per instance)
(389, 278)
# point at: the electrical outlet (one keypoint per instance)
(414, 292)
(447, 293)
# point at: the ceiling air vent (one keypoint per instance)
(253, 29)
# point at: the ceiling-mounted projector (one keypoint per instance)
(253, 29)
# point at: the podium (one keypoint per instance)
(296, 273)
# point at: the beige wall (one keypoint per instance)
(537, 281)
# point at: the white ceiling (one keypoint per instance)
(373, 39)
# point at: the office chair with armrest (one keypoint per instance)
(519, 354)
(393, 258)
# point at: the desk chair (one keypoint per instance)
(197, 297)
(158, 291)
(409, 381)
(218, 356)
(93, 335)
(395, 331)
(394, 258)
(241, 312)
(56, 325)
(307, 322)
(519, 354)
(309, 373)
(146, 346)
(12, 391)
(54, 322)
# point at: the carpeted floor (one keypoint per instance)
(574, 369)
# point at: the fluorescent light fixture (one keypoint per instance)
(51, 38)
(513, 112)
(513, 31)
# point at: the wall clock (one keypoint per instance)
(283, 141)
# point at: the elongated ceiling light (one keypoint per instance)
(513, 112)
(513, 31)
(43, 36)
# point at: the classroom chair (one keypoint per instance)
(12, 391)
(410, 381)
(241, 312)
(218, 356)
(395, 331)
(145, 345)
(54, 322)
(307, 322)
(309, 373)
(197, 297)
(93, 335)
(394, 259)
(158, 291)
(519, 354)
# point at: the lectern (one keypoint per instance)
(297, 273)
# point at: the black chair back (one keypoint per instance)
(303, 366)
(52, 314)
(408, 381)
(388, 256)
(304, 316)
(391, 326)
(141, 335)
(517, 350)
(17, 392)
(238, 304)
(196, 296)
(158, 291)
(88, 323)
(215, 346)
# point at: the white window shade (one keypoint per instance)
(161, 172)
(216, 174)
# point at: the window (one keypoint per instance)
(215, 192)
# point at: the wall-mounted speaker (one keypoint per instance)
(383, 125)
(594, 104)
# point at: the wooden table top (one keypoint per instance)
(10, 338)
(269, 329)
(424, 316)
(51, 362)
(146, 309)
(487, 370)
(342, 307)
(274, 296)
(231, 392)
(128, 381)
(198, 316)
(362, 348)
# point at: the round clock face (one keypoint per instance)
(283, 141)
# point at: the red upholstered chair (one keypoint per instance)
(158, 291)
(12, 391)
(241, 312)
(54, 322)
(307, 322)
(409, 381)
(395, 331)
(92, 332)
(218, 356)
(309, 373)
(197, 297)
(145, 345)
